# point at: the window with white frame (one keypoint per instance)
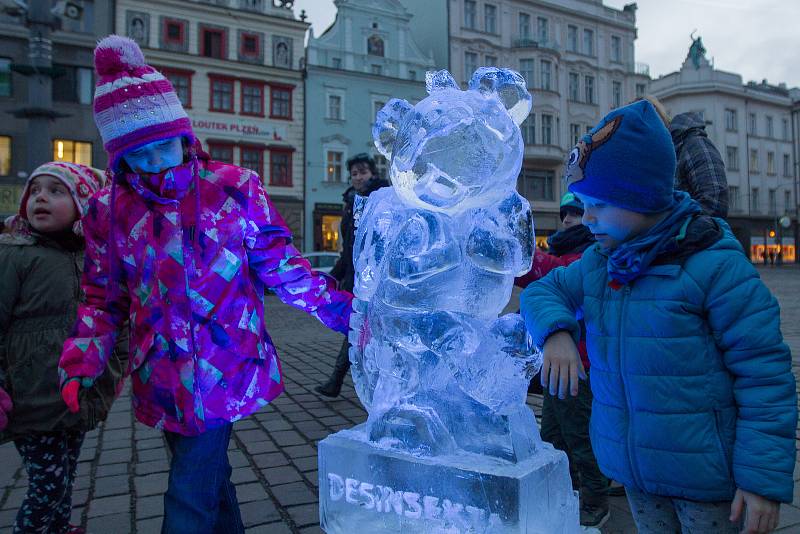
(787, 201)
(470, 12)
(490, 18)
(574, 86)
(733, 198)
(528, 129)
(547, 129)
(574, 133)
(335, 105)
(787, 165)
(470, 63)
(730, 120)
(616, 94)
(616, 48)
(588, 42)
(334, 166)
(773, 202)
(752, 127)
(526, 70)
(754, 160)
(545, 76)
(524, 26)
(786, 134)
(754, 200)
(572, 38)
(732, 156)
(543, 30)
(770, 127)
(588, 85)
(770, 162)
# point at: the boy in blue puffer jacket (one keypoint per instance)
(694, 399)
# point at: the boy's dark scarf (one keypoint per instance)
(631, 259)
(572, 240)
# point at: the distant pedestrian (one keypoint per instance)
(364, 180)
(695, 408)
(41, 257)
(185, 247)
(700, 170)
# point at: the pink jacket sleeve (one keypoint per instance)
(543, 263)
(86, 351)
(281, 267)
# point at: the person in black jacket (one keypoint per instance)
(364, 180)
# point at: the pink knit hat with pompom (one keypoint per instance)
(134, 104)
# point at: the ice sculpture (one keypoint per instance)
(449, 444)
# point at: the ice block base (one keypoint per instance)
(366, 489)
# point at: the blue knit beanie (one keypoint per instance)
(627, 160)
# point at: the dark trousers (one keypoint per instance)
(200, 497)
(50, 459)
(565, 424)
(342, 364)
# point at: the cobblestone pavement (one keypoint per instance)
(123, 467)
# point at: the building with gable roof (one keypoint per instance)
(365, 58)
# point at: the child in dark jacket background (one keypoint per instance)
(41, 257)
(694, 399)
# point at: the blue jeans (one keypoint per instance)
(200, 497)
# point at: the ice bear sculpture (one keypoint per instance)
(435, 259)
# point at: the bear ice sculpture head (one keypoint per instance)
(456, 150)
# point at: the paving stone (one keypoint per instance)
(237, 459)
(150, 506)
(243, 474)
(148, 526)
(305, 514)
(281, 475)
(253, 491)
(150, 455)
(270, 528)
(145, 468)
(294, 493)
(256, 513)
(154, 484)
(110, 523)
(113, 485)
(287, 437)
(7, 517)
(312, 530)
(120, 504)
(152, 443)
(125, 433)
(300, 451)
(115, 456)
(111, 469)
(308, 463)
(272, 459)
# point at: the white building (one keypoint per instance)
(236, 66)
(751, 126)
(578, 59)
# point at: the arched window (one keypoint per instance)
(375, 46)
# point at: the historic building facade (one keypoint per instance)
(577, 57)
(365, 58)
(73, 135)
(755, 128)
(237, 68)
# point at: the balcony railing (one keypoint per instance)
(528, 42)
(642, 68)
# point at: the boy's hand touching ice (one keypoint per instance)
(760, 514)
(5, 408)
(562, 365)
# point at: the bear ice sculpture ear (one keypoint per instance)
(441, 79)
(508, 85)
(384, 132)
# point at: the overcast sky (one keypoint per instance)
(755, 38)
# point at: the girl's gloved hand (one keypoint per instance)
(70, 392)
(5, 408)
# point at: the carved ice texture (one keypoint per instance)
(449, 444)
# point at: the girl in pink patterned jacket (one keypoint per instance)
(185, 248)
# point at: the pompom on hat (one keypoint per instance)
(134, 104)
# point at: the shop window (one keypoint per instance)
(5, 76)
(72, 151)
(221, 94)
(280, 167)
(5, 155)
(252, 98)
(280, 98)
